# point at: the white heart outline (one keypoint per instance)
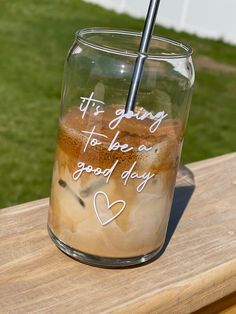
(108, 207)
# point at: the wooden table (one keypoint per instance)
(197, 268)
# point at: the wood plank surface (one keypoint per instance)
(197, 268)
(226, 305)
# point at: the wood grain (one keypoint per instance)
(226, 305)
(197, 268)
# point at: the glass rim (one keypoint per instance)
(80, 36)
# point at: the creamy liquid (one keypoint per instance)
(140, 228)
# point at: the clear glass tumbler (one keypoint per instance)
(115, 172)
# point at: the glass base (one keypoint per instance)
(107, 262)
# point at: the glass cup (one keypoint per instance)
(115, 172)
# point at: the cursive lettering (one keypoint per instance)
(120, 113)
(130, 174)
(82, 167)
(87, 101)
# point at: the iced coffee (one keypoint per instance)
(116, 159)
(113, 180)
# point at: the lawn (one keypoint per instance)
(35, 37)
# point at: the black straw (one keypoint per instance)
(142, 54)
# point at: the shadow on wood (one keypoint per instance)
(184, 189)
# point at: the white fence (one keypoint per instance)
(206, 18)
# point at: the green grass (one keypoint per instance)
(34, 39)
